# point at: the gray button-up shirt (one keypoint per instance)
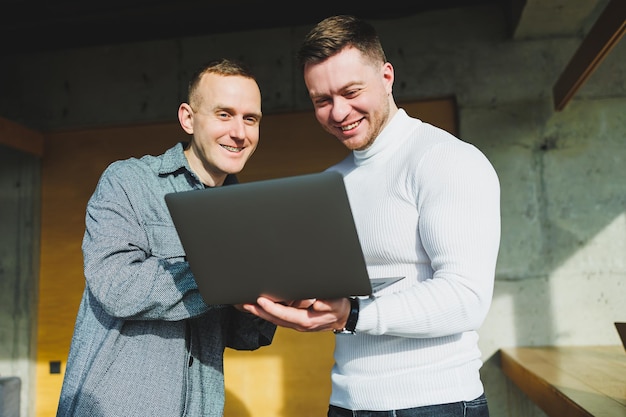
(145, 343)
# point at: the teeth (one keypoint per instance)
(350, 126)
(232, 148)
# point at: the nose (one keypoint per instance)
(340, 110)
(238, 128)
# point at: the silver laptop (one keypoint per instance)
(287, 238)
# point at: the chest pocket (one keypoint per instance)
(164, 241)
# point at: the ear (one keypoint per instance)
(388, 76)
(185, 117)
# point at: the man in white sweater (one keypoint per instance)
(426, 206)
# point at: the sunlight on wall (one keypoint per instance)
(49, 389)
(502, 306)
(606, 251)
(589, 288)
(290, 377)
(576, 304)
(243, 391)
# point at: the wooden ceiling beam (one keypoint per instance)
(21, 138)
(603, 36)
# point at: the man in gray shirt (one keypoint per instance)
(145, 343)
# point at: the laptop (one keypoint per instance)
(287, 238)
(621, 330)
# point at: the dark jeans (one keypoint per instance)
(474, 408)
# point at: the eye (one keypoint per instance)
(321, 102)
(223, 115)
(351, 93)
(251, 120)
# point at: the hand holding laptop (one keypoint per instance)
(321, 315)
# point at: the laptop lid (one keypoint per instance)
(621, 330)
(287, 238)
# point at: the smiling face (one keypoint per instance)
(352, 96)
(223, 117)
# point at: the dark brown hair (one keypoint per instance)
(333, 34)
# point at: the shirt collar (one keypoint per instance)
(174, 160)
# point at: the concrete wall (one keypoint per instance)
(19, 266)
(562, 265)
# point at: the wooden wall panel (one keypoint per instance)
(290, 377)
(71, 166)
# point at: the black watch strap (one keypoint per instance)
(353, 317)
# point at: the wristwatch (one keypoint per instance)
(353, 317)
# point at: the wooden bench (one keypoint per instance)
(576, 381)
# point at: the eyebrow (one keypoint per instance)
(351, 85)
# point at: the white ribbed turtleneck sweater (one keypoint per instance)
(426, 206)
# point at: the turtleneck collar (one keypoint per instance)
(387, 141)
